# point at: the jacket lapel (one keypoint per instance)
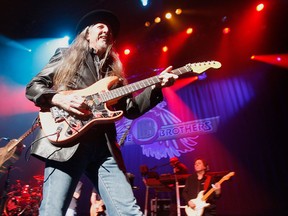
(90, 64)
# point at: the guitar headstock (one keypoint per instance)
(200, 67)
(227, 177)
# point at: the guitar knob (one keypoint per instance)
(69, 132)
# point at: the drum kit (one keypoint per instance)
(24, 199)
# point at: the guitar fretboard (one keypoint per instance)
(125, 90)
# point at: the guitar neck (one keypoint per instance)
(208, 193)
(224, 178)
(130, 88)
(21, 138)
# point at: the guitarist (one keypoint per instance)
(196, 183)
(90, 59)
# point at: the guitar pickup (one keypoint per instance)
(58, 114)
(94, 99)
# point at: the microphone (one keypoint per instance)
(5, 138)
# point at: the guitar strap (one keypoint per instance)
(207, 182)
(97, 66)
(122, 139)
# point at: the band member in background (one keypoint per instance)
(197, 182)
(89, 59)
(178, 167)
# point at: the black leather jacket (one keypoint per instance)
(40, 91)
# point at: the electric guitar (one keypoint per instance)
(61, 128)
(11, 152)
(200, 200)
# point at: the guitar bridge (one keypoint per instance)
(74, 126)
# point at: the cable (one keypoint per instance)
(37, 140)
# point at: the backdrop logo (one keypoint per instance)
(161, 134)
(145, 131)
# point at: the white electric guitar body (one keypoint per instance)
(200, 205)
(200, 200)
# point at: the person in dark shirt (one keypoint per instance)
(178, 167)
(195, 186)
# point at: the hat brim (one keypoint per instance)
(99, 16)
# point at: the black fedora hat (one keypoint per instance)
(99, 16)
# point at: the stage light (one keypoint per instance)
(224, 19)
(67, 38)
(127, 51)
(260, 7)
(189, 30)
(60, 42)
(202, 76)
(226, 30)
(168, 15)
(144, 2)
(178, 11)
(157, 20)
(147, 24)
(274, 59)
(13, 43)
(165, 49)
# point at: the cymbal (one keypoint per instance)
(38, 177)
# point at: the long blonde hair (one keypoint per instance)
(75, 56)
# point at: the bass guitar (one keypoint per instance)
(61, 128)
(11, 152)
(200, 200)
